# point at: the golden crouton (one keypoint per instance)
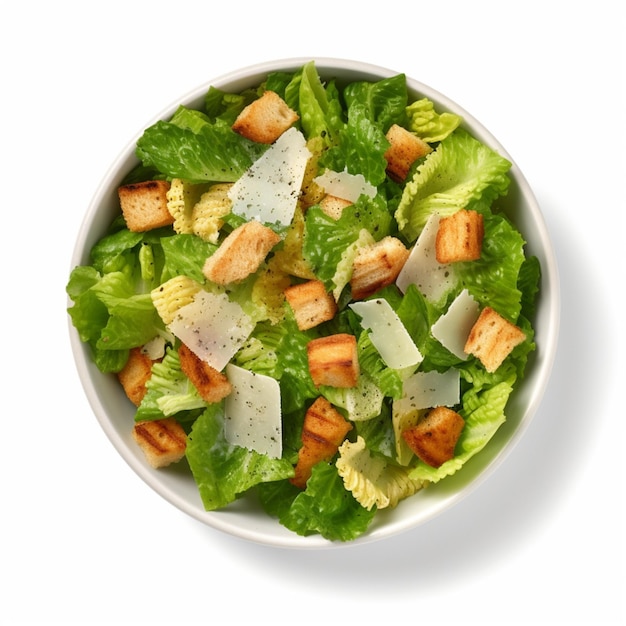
(163, 441)
(434, 438)
(377, 266)
(211, 384)
(241, 253)
(324, 429)
(333, 360)
(333, 206)
(404, 150)
(134, 375)
(459, 237)
(492, 338)
(265, 119)
(144, 205)
(311, 303)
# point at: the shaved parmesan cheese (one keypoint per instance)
(425, 390)
(252, 416)
(155, 348)
(212, 327)
(269, 190)
(422, 269)
(389, 335)
(454, 326)
(345, 185)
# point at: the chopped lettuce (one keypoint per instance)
(197, 152)
(431, 126)
(168, 391)
(459, 172)
(345, 127)
(221, 470)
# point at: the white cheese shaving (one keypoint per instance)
(269, 190)
(424, 390)
(389, 335)
(422, 269)
(212, 327)
(345, 185)
(454, 326)
(252, 415)
(155, 348)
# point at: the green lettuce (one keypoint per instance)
(429, 125)
(110, 315)
(460, 171)
(324, 507)
(221, 470)
(198, 152)
(326, 239)
(483, 412)
(168, 391)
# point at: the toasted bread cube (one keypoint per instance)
(144, 205)
(404, 150)
(492, 338)
(434, 438)
(334, 361)
(333, 206)
(135, 374)
(212, 385)
(377, 266)
(163, 441)
(241, 253)
(459, 237)
(324, 429)
(265, 119)
(311, 303)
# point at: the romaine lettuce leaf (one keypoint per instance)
(461, 170)
(221, 470)
(324, 507)
(429, 125)
(207, 153)
(483, 412)
(110, 316)
(385, 100)
(326, 240)
(493, 279)
(168, 391)
(185, 255)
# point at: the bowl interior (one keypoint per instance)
(244, 518)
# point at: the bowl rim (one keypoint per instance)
(542, 366)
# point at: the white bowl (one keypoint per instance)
(243, 518)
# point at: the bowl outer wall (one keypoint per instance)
(244, 518)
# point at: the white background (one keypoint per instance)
(84, 541)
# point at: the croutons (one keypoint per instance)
(265, 119)
(144, 205)
(162, 441)
(404, 150)
(323, 431)
(434, 438)
(241, 253)
(311, 303)
(134, 375)
(333, 206)
(459, 237)
(377, 266)
(492, 338)
(211, 384)
(333, 360)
